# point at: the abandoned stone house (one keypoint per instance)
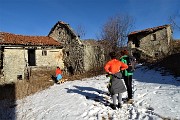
(150, 43)
(79, 55)
(20, 55)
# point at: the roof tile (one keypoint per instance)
(14, 39)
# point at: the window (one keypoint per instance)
(31, 57)
(153, 37)
(156, 54)
(19, 77)
(44, 52)
(67, 53)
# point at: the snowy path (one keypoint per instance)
(156, 97)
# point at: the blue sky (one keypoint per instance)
(37, 17)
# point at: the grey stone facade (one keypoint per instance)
(93, 55)
(79, 56)
(150, 43)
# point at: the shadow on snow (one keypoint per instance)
(90, 93)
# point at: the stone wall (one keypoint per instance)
(156, 47)
(13, 64)
(72, 48)
(78, 56)
(93, 57)
(54, 57)
(160, 45)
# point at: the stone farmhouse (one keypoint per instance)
(21, 55)
(150, 43)
(79, 56)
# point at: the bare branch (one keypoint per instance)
(115, 31)
(80, 31)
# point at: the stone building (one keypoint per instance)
(93, 55)
(79, 56)
(20, 55)
(150, 43)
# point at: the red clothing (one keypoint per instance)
(58, 71)
(114, 66)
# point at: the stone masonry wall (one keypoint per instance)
(14, 64)
(72, 49)
(158, 47)
(93, 57)
(53, 58)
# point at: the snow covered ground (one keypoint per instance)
(156, 97)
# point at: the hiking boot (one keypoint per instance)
(130, 101)
(113, 106)
(119, 105)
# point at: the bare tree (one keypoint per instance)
(80, 31)
(115, 30)
(174, 21)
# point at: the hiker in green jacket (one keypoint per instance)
(127, 74)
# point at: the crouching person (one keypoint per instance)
(58, 75)
(117, 86)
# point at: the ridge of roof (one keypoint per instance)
(65, 24)
(149, 29)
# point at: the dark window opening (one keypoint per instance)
(156, 54)
(67, 53)
(153, 37)
(31, 57)
(19, 77)
(136, 42)
(71, 70)
(44, 52)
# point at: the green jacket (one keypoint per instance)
(125, 72)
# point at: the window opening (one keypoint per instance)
(19, 77)
(67, 53)
(156, 54)
(44, 52)
(153, 37)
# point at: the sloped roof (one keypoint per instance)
(14, 39)
(149, 30)
(66, 25)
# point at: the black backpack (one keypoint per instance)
(131, 62)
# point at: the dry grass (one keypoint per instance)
(169, 64)
(40, 80)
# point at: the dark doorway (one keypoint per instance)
(1, 56)
(31, 57)
(71, 70)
